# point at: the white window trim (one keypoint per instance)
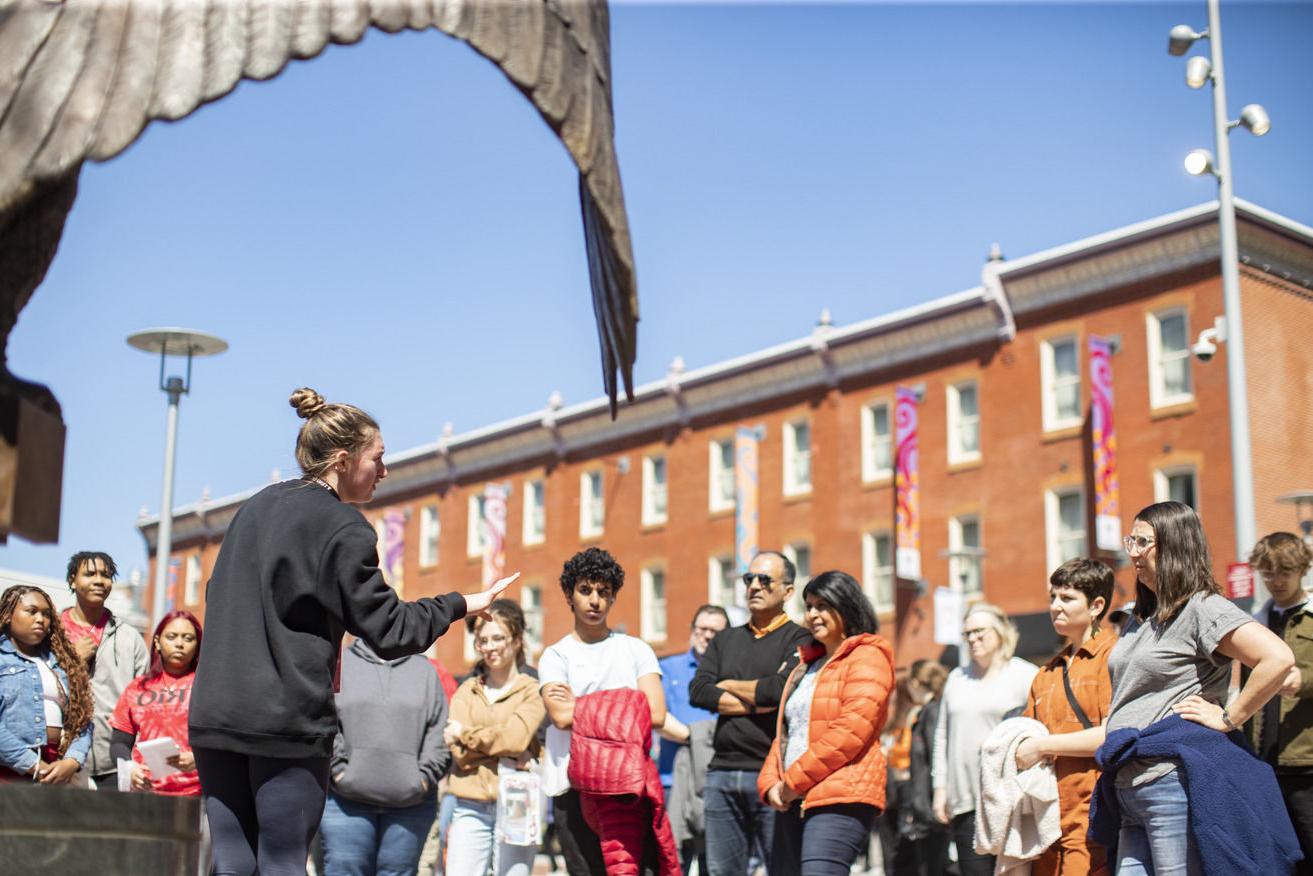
(474, 525)
(869, 569)
(869, 471)
(527, 533)
(956, 455)
(586, 498)
(430, 535)
(1161, 491)
(715, 503)
(650, 516)
(795, 606)
(533, 609)
(1053, 523)
(1048, 381)
(1157, 381)
(191, 590)
(650, 630)
(715, 580)
(792, 487)
(957, 543)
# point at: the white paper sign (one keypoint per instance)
(156, 753)
(948, 616)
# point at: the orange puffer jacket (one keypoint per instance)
(843, 762)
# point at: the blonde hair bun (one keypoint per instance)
(307, 402)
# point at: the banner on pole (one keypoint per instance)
(171, 591)
(907, 488)
(746, 507)
(394, 549)
(1103, 437)
(494, 532)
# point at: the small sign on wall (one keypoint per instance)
(1239, 581)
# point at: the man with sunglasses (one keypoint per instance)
(741, 678)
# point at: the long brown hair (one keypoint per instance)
(1182, 562)
(79, 708)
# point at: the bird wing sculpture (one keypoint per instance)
(80, 79)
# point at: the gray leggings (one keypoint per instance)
(263, 811)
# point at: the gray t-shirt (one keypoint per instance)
(1154, 667)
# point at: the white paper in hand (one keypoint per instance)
(156, 753)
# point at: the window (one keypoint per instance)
(192, 587)
(591, 511)
(964, 554)
(797, 458)
(476, 534)
(1169, 359)
(531, 602)
(654, 490)
(878, 570)
(1060, 375)
(722, 475)
(800, 553)
(877, 442)
(428, 535)
(653, 618)
(535, 512)
(1064, 525)
(963, 422)
(1177, 484)
(722, 584)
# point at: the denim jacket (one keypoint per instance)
(22, 716)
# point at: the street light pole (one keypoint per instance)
(171, 342)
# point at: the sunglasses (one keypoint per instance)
(766, 580)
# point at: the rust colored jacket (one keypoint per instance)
(843, 762)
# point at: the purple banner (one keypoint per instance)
(394, 549)
(1107, 513)
(907, 487)
(494, 532)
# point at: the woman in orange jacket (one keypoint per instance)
(825, 773)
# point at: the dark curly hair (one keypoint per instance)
(592, 564)
(76, 562)
(78, 708)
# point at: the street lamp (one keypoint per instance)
(1255, 119)
(171, 342)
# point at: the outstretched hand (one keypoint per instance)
(477, 603)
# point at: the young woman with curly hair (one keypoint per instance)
(40, 675)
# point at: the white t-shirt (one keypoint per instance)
(616, 662)
(52, 693)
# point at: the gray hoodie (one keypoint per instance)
(388, 750)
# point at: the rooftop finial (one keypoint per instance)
(825, 321)
(995, 253)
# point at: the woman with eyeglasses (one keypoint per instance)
(495, 715)
(1160, 813)
(976, 698)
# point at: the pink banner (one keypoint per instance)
(394, 549)
(494, 532)
(1107, 513)
(746, 507)
(907, 487)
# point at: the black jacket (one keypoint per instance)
(916, 811)
(297, 568)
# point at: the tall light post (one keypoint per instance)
(171, 342)
(1198, 71)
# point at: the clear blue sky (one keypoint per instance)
(392, 223)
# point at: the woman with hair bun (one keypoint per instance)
(298, 568)
(976, 697)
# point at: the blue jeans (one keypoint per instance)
(1155, 834)
(472, 844)
(823, 842)
(361, 839)
(737, 822)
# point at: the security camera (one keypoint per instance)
(1204, 349)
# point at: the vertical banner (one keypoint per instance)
(494, 532)
(1103, 437)
(394, 549)
(907, 487)
(171, 591)
(746, 507)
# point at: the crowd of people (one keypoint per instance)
(1177, 740)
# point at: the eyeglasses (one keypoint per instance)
(976, 633)
(491, 642)
(706, 631)
(764, 579)
(1137, 544)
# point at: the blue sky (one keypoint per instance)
(392, 223)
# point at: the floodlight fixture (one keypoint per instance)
(1255, 118)
(1181, 38)
(1198, 70)
(1199, 162)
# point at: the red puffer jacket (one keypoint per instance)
(609, 765)
(843, 762)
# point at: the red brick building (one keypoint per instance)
(1005, 459)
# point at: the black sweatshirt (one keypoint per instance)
(743, 741)
(296, 569)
